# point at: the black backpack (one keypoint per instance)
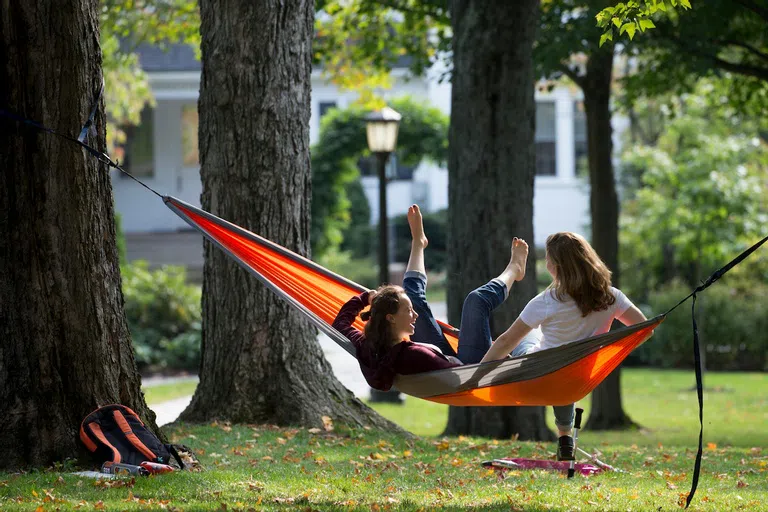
(115, 433)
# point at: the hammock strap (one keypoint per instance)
(700, 393)
(80, 140)
(697, 354)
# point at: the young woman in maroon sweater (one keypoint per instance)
(399, 314)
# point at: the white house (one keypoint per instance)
(163, 152)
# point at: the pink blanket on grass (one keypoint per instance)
(552, 465)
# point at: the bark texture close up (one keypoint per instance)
(65, 348)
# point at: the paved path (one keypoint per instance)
(344, 367)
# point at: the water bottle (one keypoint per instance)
(121, 468)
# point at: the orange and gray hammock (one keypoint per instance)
(558, 376)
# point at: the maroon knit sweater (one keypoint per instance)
(405, 358)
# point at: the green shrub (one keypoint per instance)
(733, 328)
(164, 314)
(364, 271)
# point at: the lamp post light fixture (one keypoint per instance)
(381, 128)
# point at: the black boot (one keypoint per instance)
(565, 448)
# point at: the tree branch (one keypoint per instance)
(751, 49)
(752, 6)
(579, 80)
(758, 72)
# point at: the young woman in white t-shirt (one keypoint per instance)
(578, 304)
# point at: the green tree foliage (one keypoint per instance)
(635, 16)
(715, 39)
(342, 142)
(732, 321)
(163, 313)
(700, 196)
(358, 42)
(124, 25)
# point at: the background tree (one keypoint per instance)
(65, 345)
(491, 167)
(716, 39)
(260, 359)
(491, 155)
(568, 45)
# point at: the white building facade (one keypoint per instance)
(163, 151)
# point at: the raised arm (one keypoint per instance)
(507, 342)
(346, 317)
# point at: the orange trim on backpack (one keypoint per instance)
(100, 435)
(87, 440)
(134, 414)
(135, 441)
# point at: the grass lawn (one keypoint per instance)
(163, 392)
(270, 468)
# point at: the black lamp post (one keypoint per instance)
(381, 128)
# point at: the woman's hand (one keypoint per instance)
(371, 296)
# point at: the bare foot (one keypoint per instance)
(417, 227)
(518, 258)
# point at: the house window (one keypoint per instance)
(580, 139)
(139, 148)
(546, 146)
(324, 106)
(190, 154)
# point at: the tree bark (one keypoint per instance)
(65, 348)
(491, 169)
(607, 411)
(260, 359)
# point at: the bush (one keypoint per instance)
(733, 328)
(363, 271)
(164, 316)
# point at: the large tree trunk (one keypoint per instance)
(260, 359)
(64, 342)
(607, 411)
(491, 169)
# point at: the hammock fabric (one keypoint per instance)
(558, 376)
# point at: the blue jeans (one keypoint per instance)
(475, 336)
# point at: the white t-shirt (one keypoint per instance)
(561, 322)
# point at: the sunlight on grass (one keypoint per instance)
(164, 392)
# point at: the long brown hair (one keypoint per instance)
(579, 272)
(378, 330)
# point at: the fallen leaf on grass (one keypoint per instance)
(327, 423)
(741, 483)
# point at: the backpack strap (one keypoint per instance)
(175, 453)
(96, 429)
(131, 436)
